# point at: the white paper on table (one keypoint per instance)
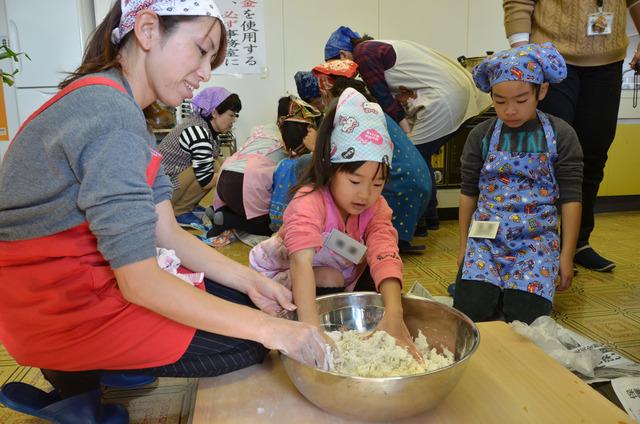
(628, 391)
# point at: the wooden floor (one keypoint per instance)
(602, 306)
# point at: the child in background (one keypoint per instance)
(298, 122)
(340, 196)
(515, 169)
(308, 89)
(244, 189)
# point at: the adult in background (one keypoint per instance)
(591, 36)
(82, 290)
(413, 83)
(190, 150)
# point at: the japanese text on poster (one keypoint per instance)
(246, 51)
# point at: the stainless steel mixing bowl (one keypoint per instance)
(390, 398)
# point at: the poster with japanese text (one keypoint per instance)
(246, 51)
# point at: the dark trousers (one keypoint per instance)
(588, 99)
(482, 301)
(229, 189)
(427, 150)
(207, 355)
(365, 283)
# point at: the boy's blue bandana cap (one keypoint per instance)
(533, 63)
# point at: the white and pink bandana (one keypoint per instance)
(359, 131)
(130, 9)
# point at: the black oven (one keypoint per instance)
(446, 164)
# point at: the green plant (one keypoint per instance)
(7, 53)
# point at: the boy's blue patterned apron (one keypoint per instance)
(520, 191)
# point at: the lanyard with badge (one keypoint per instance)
(599, 23)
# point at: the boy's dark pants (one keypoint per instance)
(482, 301)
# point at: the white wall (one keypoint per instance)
(10, 101)
(296, 31)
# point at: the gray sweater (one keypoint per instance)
(85, 159)
(567, 169)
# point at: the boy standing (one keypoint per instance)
(515, 169)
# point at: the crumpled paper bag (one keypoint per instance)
(557, 341)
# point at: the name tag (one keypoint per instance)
(484, 229)
(345, 246)
(600, 23)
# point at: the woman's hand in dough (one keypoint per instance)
(298, 340)
(270, 296)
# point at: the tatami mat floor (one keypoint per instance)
(603, 306)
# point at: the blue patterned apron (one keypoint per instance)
(519, 190)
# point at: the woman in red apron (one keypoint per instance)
(84, 205)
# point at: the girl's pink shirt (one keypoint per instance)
(304, 223)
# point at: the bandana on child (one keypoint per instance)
(208, 99)
(307, 85)
(300, 111)
(130, 9)
(339, 39)
(359, 131)
(534, 63)
(334, 68)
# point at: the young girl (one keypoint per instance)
(341, 197)
(409, 187)
(515, 169)
(409, 79)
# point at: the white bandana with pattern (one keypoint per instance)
(360, 131)
(130, 9)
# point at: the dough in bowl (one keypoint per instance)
(377, 355)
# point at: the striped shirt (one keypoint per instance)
(192, 143)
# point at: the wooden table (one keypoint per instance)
(507, 380)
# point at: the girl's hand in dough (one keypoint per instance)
(395, 326)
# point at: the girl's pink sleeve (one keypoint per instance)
(303, 221)
(382, 245)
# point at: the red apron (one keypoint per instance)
(60, 306)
